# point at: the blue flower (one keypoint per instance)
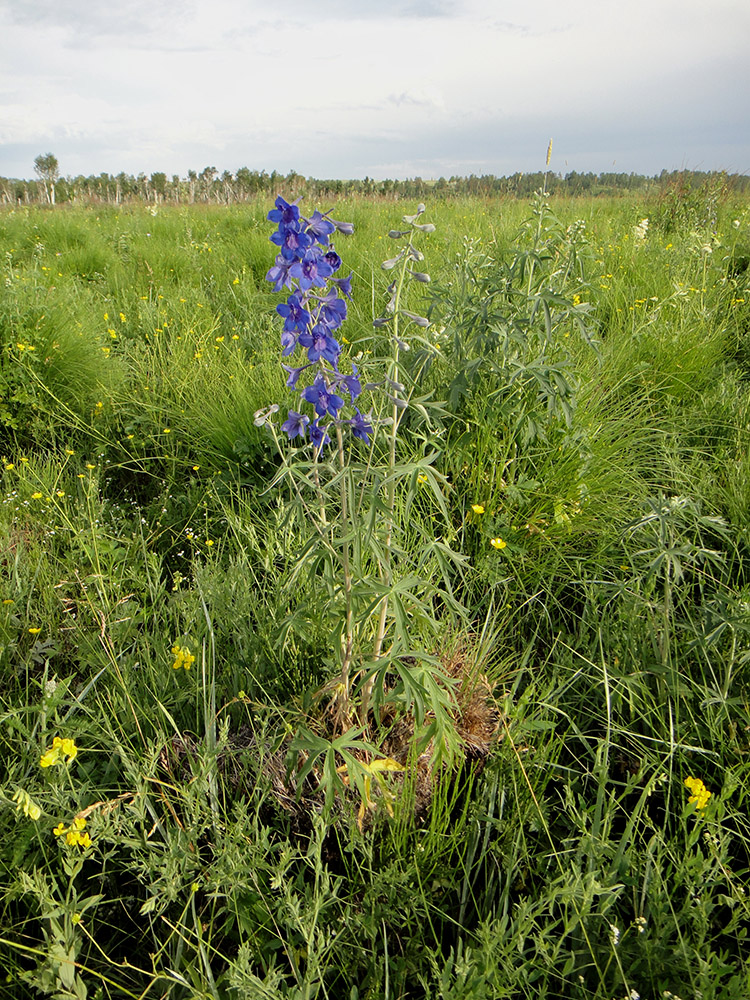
(279, 273)
(346, 228)
(294, 374)
(312, 269)
(322, 398)
(292, 241)
(320, 228)
(344, 285)
(288, 342)
(350, 382)
(318, 434)
(320, 344)
(333, 259)
(361, 427)
(296, 317)
(284, 213)
(295, 424)
(332, 310)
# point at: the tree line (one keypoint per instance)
(211, 187)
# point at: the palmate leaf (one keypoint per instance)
(321, 754)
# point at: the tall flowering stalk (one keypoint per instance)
(315, 309)
(379, 591)
(312, 314)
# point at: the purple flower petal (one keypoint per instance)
(284, 213)
(295, 424)
(320, 228)
(361, 427)
(318, 434)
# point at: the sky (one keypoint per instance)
(382, 89)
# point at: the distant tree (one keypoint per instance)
(207, 177)
(159, 185)
(48, 170)
(226, 180)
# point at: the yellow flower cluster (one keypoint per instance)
(700, 794)
(60, 748)
(182, 657)
(73, 834)
(26, 804)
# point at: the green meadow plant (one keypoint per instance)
(167, 617)
(378, 595)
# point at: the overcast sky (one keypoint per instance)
(374, 87)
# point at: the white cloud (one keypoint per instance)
(162, 81)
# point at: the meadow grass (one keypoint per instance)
(593, 375)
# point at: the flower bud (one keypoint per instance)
(427, 227)
(377, 323)
(347, 228)
(396, 234)
(388, 264)
(419, 320)
(419, 276)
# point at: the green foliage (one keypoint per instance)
(581, 396)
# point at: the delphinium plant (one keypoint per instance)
(375, 580)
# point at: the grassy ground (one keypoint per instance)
(593, 375)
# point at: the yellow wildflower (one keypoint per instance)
(37, 496)
(34, 631)
(182, 657)
(700, 794)
(60, 748)
(497, 543)
(477, 508)
(26, 804)
(73, 833)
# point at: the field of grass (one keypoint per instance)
(568, 545)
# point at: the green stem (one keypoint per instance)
(386, 574)
(347, 643)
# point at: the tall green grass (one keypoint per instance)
(596, 401)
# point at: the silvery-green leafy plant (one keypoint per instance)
(379, 580)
